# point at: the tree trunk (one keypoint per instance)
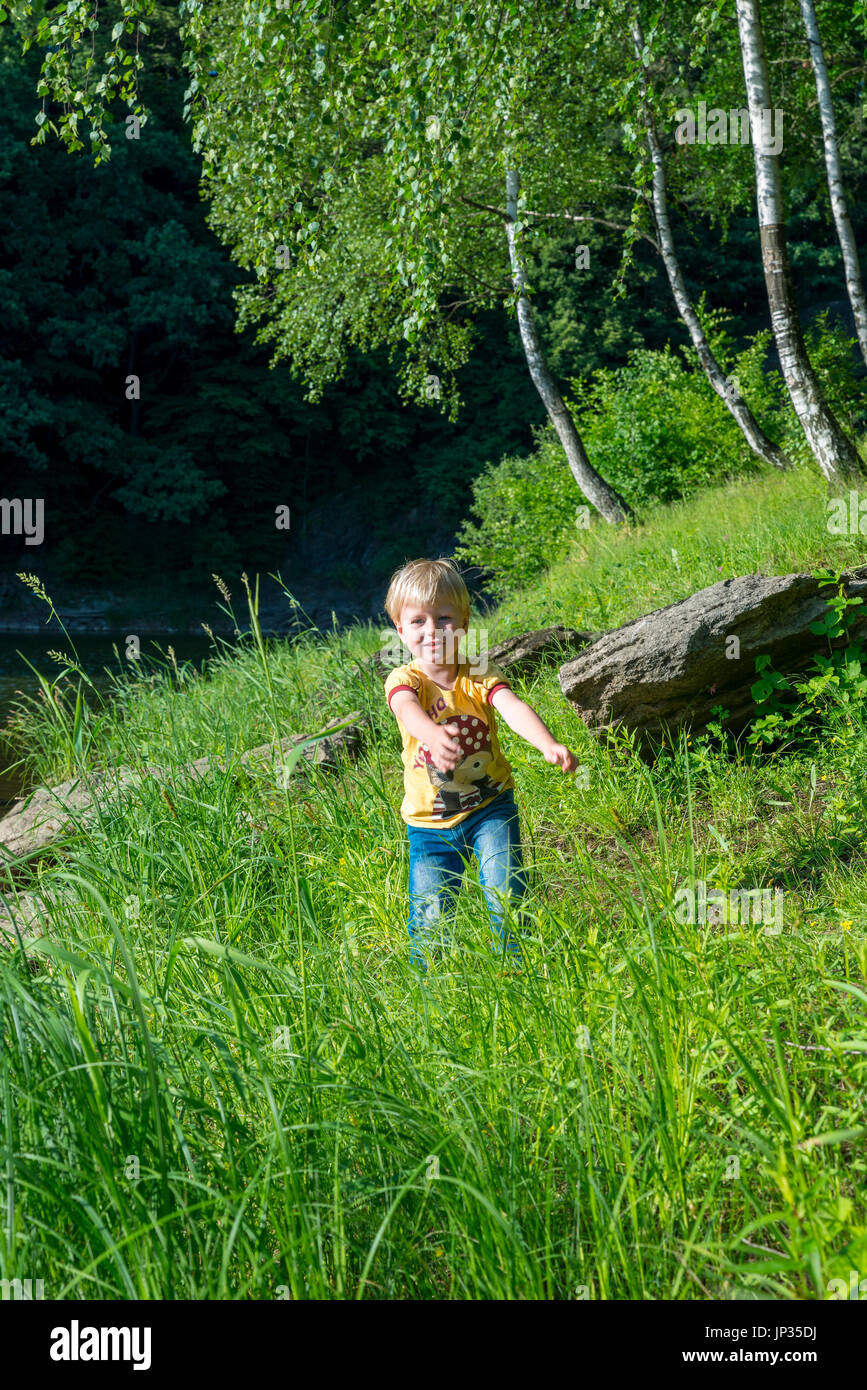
(851, 266)
(600, 494)
(726, 390)
(833, 451)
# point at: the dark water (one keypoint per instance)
(95, 653)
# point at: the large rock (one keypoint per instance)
(25, 917)
(40, 817)
(44, 815)
(27, 912)
(529, 650)
(669, 669)
(269, 757)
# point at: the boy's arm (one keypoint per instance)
(406, 707)
(524, 720)
(439, 738)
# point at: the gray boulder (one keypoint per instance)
(25, 916)
(668, 669)
(42, 816)
(529, 650)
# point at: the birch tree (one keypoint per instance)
(845, 235)
(355, 159)
(420, 112)
(347, 156)
(833, 450)
(603, 497)
(723, 386)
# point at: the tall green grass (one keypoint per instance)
(226, 1081)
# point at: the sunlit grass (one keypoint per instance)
(227, 1082)
(775, 524)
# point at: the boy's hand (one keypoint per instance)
(445, 748)
(558, 753)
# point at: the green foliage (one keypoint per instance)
(523, 505)
(658, 432)
(832, 352)
(656, 429)
(838, 684)
(830, 348)
(113, 271)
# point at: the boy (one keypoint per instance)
(458, 790)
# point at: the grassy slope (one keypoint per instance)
(229, 1084)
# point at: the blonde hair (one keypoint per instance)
(426, 582)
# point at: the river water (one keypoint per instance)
(95, 651)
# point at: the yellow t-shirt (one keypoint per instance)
(438, 800)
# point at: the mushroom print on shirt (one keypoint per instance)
(435, 798)
(469, 784)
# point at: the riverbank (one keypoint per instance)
(24, 657)
(335, 566)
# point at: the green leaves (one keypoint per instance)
(769, 683)
(840, 677)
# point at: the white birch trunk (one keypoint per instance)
(851, 266)
(833, 451)
(603, 497)
(727, 392)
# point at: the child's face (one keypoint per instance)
(431, 632)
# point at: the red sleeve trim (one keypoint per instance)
(501, 685)
(396, 688)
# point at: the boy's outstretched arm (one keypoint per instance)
(441, 739)
(525, 721)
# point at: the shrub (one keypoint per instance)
(526, 509)
(657, 432)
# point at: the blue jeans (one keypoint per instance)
(436, 868)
